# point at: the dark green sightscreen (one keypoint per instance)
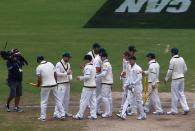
(144, 14)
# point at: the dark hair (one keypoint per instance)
(87, 57)
(104, 54)
(132, 58)
(96, 45)
(126, 53)
(132, 48)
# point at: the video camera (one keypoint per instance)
(13, 54)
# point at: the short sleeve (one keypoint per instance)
(38, 71)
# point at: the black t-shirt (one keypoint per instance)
(14, 71)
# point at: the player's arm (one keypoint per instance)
(86, 76)
(39, 81)
(103, 73)
(153, 75)
(59, 72)
(170, 71)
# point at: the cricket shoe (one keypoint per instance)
(41, 119)
(77, 117)
(141, 118)
(185, 112)
(171, 113)
(120, 116)
(18, 109)
(131, 114)
(99, 113)
(158, 113)
(7, 108)
(106, 116)
(92, 118)
(68, 115)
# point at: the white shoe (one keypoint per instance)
(171, 113)
(141, 118)
(131, 114)
(158, 113)
(68, 115)
(120, 116)
(92, 118)
(105, 116)
(41, 119)
(77, 117)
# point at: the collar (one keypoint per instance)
(43, 62)
(64, 62)
(175, 56)
(152, 61)
(133, 65)
(90, 63)
(93, 53)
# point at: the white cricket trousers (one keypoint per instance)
(63, 92)
(177, 94)
(98, 93)
(137, 93)
(132, 101)
(45, 92)
(154, 99)
(88, 96)
(107, 99)
(124, 93)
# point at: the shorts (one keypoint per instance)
(15, 88)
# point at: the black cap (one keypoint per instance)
(175, 51)
(132, 48)
(96, 45)
(66, 54)
(151, 55)
(87, 57)
(104, 54)
(40, 58)
(132, 58)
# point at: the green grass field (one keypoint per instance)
(51, 27)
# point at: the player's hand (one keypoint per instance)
(123, 74)
(153, 87)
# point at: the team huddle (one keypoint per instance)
(97, 85)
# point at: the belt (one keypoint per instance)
(89, 86)
(50, 86)
(178, 78)
(106, 84)
(63, 83)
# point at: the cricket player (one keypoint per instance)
(176, 71)
(47, 81)
(64, 76)
(153, 80)
(88, 95)
(134, 85)
(132, 108)
(96, 60)
(107, 81)
(95, 51)
(124, 75)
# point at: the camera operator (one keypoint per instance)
(15, 62)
